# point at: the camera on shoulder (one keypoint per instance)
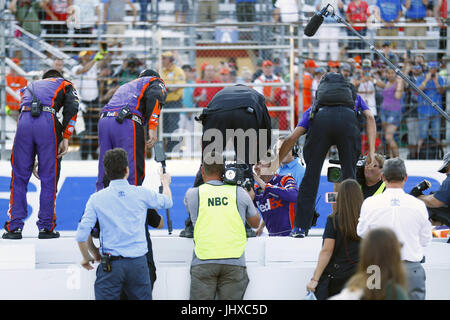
(239, 174)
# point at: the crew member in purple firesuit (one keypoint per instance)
(43, 135)
(275, 197)
(144, 98)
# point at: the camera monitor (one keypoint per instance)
(160, 155)
(330, 197)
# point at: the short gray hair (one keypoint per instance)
(394, 169)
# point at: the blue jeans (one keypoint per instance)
(29, 59)
(129, 274)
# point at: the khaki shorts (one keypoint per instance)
(415, 32)
(387, 32)
(118, 29)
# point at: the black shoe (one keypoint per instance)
(45, 234)
(297, 233)
(188, 231)
(15, 234)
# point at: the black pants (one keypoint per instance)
(331, 126)
(235, 120)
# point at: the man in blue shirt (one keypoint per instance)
(121, 210)
(433, 86)
(291, 165)
(416, 11)
(388, 12)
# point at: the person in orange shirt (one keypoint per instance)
(15, 82)
(272, 94)
(308, 78)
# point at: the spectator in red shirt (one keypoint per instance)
(202, 96)
(56, 10)
(357, 13)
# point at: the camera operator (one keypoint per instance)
(332, 121)
(370, 177)
(229, 111)
(121, 210)
(218, 212)
(275, 197)
(438, 202)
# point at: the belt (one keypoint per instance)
(43, 108)
(328, 108)
(133, 116)
(415, 20)
(116, 258)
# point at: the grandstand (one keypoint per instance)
(226, 43)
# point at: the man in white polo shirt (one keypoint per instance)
(407, 216)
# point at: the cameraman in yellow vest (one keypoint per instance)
(218, 212)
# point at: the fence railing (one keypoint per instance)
(241, 54)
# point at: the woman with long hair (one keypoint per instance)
(340, 250)
(391, 109)
(380, 275)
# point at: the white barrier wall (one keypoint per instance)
(278, 268)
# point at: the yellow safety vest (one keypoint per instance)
(219, 232)
(380, 189)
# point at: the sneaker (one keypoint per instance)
(188, 231)
(15, 234)
(297, 233)
(45, 234)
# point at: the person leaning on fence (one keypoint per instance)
(388, 13)
(340, 250)
(407, 216)
(218, 212)
(39, 133)
(335, 102)
(133, 109)
(121, 210)
(380, 273)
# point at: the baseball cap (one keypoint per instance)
(267, 63)
(167, 54)
(333, 64)
(319, 70)
(310, 64)
(366, 63)
(417, 67)
(16, 60)
(443, 168)
(224, 71)
(83, 53)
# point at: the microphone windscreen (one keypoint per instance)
(313, 25)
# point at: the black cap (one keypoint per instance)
(149, 73)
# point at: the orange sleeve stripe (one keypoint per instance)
(62, 86)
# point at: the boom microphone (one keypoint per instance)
(316, 21)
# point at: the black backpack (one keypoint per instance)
(335, 90)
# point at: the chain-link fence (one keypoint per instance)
(217, 44)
